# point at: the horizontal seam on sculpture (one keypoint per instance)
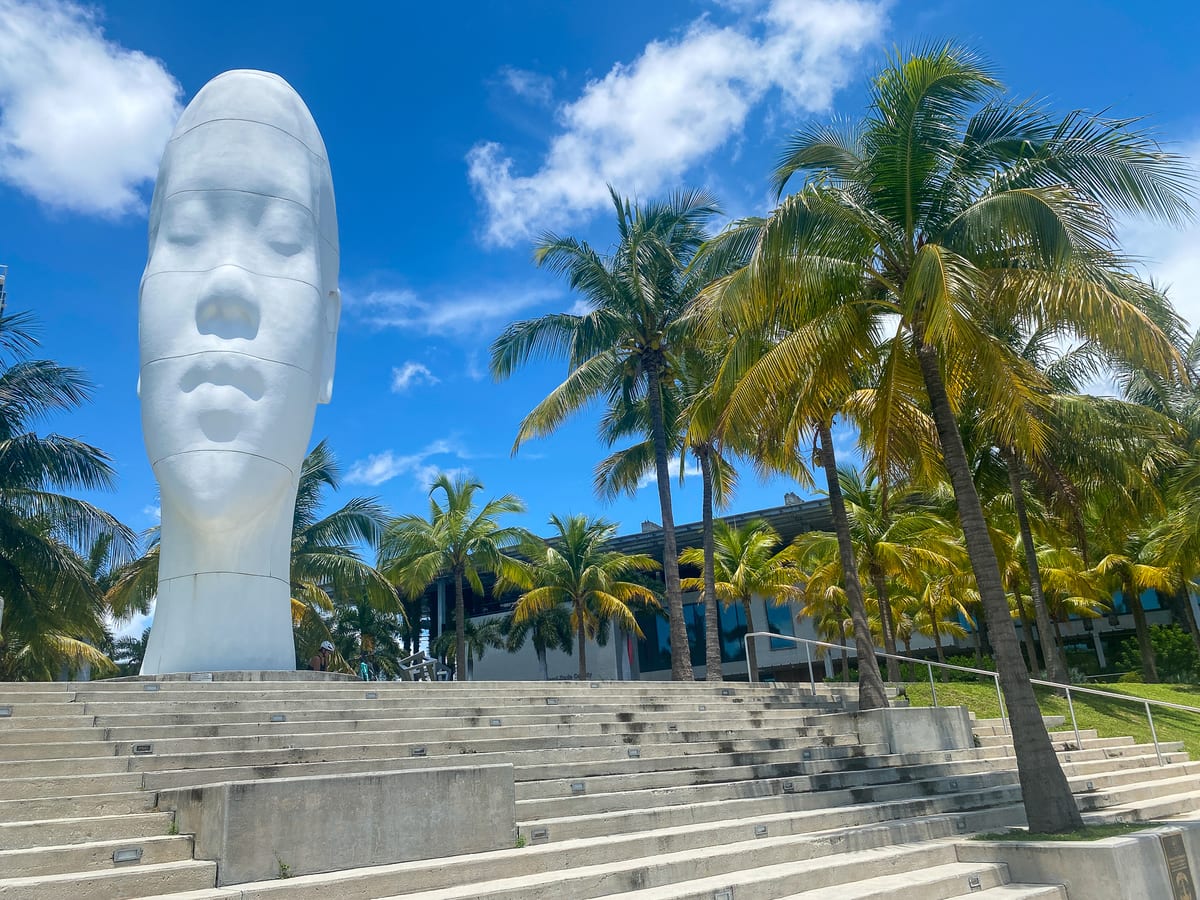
(225, 572)
(277, 362)
(298, 140)
(274, 462)
(229, 265)
(312, 215)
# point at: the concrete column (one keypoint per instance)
(1099, 645)
(619, 645)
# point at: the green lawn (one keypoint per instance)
(1110, 718)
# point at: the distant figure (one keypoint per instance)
(238, 316)
(320, 662)
(364, 671)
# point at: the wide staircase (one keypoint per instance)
(639, 789)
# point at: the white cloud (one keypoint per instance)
(531, 86)
(411, 374)
(380, 467)
(83, 121)
(646, 122)
(152, 511)
(456, 315)
(691, 470)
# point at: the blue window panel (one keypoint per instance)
(780, 621)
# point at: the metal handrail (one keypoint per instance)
(995, 676)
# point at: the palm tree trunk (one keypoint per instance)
(1134, 601)
(1027, 628)
(681, 654)
(543, 663)
(751, 650)
(871, 694)
(582, 639)
(885, 621)
(1056, 668)
(712, 606)
(1049, 805)
(460, 628)
(845, 654)
(934, 626)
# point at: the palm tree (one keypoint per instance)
(573, 568)
(693, 403)
(895, 538)
(747, 562)
(547, 630)
(477, 638)
(945, 203)
(51, 608)
(626, 346)
(458, 541)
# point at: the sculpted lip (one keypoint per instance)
(241, 375)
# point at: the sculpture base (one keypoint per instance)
(260, 675)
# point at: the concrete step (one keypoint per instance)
(623, 800)
(1183, 803)
(937, 883)
(1149, 789)
(1119, 778)
(784, 810)
(75, 806)
(556, 763)
(148, 757)
(1021, 892)
(1065, 742)
(83, 830)
(136, 880)
(95, 855)
(67, 786)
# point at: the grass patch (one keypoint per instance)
(1110, 718)
(1086, 833)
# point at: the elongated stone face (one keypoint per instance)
(237, 316)
(238, 307)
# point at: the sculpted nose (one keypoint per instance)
(227, 308)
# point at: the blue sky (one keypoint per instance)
(458, 131)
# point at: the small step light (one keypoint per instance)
(703, 707)
(726, 692)
(200, 676)
(494, 722)
(552, 701)
(595, 684)
(539, 835)
(577, 787)
(789, 787)
(150, 687)
(372, 695)
(278, 717)
(974, 884)
(954, 784)
(807, 754)
(1091, 785)
(760, 830)
(143, 749)
(634, 752)
(5, 712)
(127, 855)
(418, 751)
(726, 894)
(961, 824)
(672, 728)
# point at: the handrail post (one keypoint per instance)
(1000, 697)
(1074, 724)
(749, 668)
(932, 689)
(812, 677)
(1154, 735)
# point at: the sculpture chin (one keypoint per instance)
(223, 490)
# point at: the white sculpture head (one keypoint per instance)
(239, 305)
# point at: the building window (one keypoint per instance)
(780, 621)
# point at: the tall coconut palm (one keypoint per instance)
(691, 412)
(51, 608)
(944, 203)
(573, 568)
(626, 346)
(458, 540)
(747, 561)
